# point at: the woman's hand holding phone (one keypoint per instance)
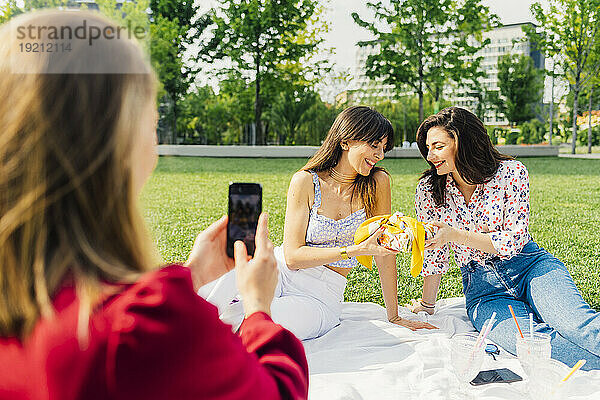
(208, 260)
(257, 278)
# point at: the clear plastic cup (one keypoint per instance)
(466, 359)
(533, 351)
(545, 381)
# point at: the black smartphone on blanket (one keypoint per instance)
(245, 206)
(495, 376)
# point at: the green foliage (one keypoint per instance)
(582, 136)
(318, 119)
(208, 118)
(269, 40)
(289, 112)
(512, 136)
(571, 29)
(423, 45)
(404, 115)
(7, 10)
(175, 26)
(521, 87)
(186, 194)
(492, 132)
(165, 59)
(533, 132)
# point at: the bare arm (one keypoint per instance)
(386, 265)
(474, 240)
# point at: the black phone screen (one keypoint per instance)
(245, 205)
(495, 375)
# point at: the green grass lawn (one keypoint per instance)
(185, 194)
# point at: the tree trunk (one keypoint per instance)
(257, 100)
(551, 107)
(174, 135)
(257, 112)
(574, 135)
(590, 121)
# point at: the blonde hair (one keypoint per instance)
(354, 123)
(67, 206)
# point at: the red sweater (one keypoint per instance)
(154, 340)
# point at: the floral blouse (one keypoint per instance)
(499, 208)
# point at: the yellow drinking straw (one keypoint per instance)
(579, 364)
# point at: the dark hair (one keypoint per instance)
(477, 160)
(354, 123)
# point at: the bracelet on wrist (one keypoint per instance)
(344, 253)
(395, 318)
(427, 305)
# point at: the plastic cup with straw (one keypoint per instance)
(559, 385)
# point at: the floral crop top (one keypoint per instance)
(328, 232)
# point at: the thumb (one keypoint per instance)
(240, 254)
(379, 231)
(437, 223)
(216, 227)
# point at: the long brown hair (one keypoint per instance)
(67, 206)
(354, 123)
(476, 159)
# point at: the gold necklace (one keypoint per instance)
(341, 178)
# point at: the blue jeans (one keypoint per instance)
(534, 281)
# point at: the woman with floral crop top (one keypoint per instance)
(337, 189)
(479, 200)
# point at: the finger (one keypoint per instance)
(437, 223)
(215, 228)
(240, 254)
(262, 231)
(379, 232)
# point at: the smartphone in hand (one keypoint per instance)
(245, 205)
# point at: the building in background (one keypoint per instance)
(507, 39)
(504, 40)
(365, 89)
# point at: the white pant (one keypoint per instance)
(307, 301)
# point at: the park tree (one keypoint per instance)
(176, 25)
(289, 112)
(572, 27)
(259, 38)
(521, 87)
(425, 44)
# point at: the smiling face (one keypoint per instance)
(362, 156)
(441, 150)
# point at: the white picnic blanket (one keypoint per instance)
(366, 357)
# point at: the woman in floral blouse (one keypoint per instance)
(479, 199)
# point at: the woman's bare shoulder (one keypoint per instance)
(382, 179)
